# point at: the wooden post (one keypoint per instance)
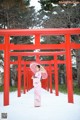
(69, 68)
(56, 75)
(19, 76)
(50, 72)
(37, 39)
(24, 78)
(48, 79)
(6, 71)
(27, 81)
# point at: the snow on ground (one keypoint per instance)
(52, 108)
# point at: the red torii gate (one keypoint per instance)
(20, 62)
(67, 46)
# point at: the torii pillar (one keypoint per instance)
(69, 68)
(6, 70)
(56, 75)
(24, 78)
(19, 76)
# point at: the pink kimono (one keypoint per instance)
(37, 89)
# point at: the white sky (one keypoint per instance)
(36, 4)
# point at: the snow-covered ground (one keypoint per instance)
(52, 108)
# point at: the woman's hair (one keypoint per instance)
(38, 66)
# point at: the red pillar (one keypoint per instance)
(6, 71)
(31, 81)
(69, 69)
(48, 79)
(46, 84)
(24, 78)
(56, 75)
(50, 73)
(19, 76)
(37, 58)
(27, 80)
(37, 39)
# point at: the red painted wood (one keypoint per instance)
(27, 81)
(48, 84)
(41, 62)
(50, 75)
(56, 75)
(6, 71)
(19, 76)
(75, 46)
(37, 46)
(67, 46)
(69, 69)
(2, 46)
(36, 53)
(25, 32)
(24, 78)
(37, 39)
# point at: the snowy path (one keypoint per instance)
(53, 107)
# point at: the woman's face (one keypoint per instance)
(37, 69)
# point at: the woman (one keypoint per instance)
(37, 87)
